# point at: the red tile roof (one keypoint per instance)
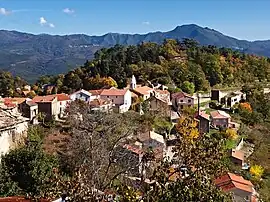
(47, 98)
(203, 114)
(231, 181)
(133, 149)
(114, 91)
(96, 92)
(17, 100)
(219, 115)
(181, 95)
(144, 90)
(62, 97)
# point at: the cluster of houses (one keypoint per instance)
(18, 112)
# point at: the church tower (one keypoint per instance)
(133, 83)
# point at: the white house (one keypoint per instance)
(63, 102)
(81, 95)
(121, 98)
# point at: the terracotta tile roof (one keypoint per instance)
(238, 154)
(16, 100)
(181, 95)
(114, 91)
(98, 102)
(133, 149)
(162, 91)
(144, 90)
(62, 97)
(47, 98)
(202, 114)
(231, 181)
(96, 92)
(219, 115)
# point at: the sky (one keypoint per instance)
(243, 19)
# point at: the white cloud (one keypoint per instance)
(42, 21)
(146, 23)
(4, 11)
(68, 11)
(51, 25)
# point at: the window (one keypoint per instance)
(115, 96)
(181, 106)
(181, 100)
(108, 96)
(112, 100)
(189, 101)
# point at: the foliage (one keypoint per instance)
(188, 87)
(256, 171)
(187, 128)
(25, 171)
(245, 106)
(183, 65)
(201, 163)
(231, 134)
(9, 84)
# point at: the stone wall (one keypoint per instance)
(12, 136)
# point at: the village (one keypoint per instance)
(18, 113)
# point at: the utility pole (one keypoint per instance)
(198, 98)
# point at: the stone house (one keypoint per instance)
(13, 128)
(29, 109)
(182, 100)
(204, 122)
(220, 119)
(237, 157)
(160, 106)
(48, 105)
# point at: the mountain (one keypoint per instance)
(31, 56)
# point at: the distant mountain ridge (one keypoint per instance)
(31, 56)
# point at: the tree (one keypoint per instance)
(256, 171)
(25, 171)
(96, 143)
(199, 163)
(231, 134)
(187, 128)
(188, 87)
(245, 106)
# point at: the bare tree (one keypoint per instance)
(96, 148)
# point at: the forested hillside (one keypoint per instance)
(183, 65)
(30, 56)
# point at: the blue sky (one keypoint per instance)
(244, 19)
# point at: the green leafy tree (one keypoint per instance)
(25, 170)
(188, 87)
